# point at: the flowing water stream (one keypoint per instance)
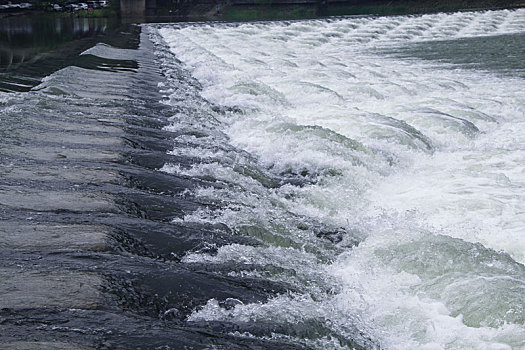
(341, 183)
(380, 164)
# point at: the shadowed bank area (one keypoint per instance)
(249, 10)
(253, 10)
(32, 48)
(140, 11)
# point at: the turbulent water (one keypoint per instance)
(379, 163)
(324, 184)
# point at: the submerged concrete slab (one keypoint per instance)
(23, 236)
(76, 139)
(94, 126)
(55, 153)
(29, 199)
(59, 173)
(106, 121)
(20, 345)
(62, 289)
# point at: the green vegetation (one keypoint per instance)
(97, 13)
(277, 10)
(280, 12)
(272, 10)
(381, 10)
(266, 12)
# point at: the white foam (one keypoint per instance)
(418, 157)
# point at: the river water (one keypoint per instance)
(323, 184)
(380, 163)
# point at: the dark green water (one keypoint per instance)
(499, 53)
(34, 47)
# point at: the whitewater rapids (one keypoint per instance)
(383, 176)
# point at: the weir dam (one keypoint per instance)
(88, 256)
(333, 183)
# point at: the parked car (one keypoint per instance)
(56, 7)
(10, 7)
(82, 6)
(72, 7)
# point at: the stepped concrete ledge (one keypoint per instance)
(67, 280)
(58, 173)
(54, 153)
(87, 124)
(111, 121)
(54, 289)
(23, 236)
(38, 200)
(19, 345)
(71, 138)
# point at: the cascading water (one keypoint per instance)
(383, 179)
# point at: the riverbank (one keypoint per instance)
(274, 10)
(256, 10)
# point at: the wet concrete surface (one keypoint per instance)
(45, 237)
(89, 257)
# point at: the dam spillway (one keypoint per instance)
(89, 257)
(329, 184)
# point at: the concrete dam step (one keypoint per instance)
(89, 256)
